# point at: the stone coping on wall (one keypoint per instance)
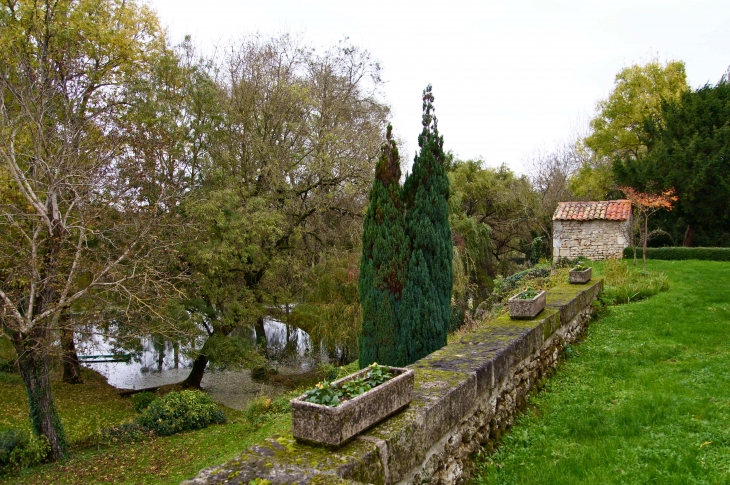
(450, 384)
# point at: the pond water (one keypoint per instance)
(158, 362)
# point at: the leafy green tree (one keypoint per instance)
(385, 251)
(618, 130)
(473, 260)
(690, 152)
(494, 199)
(290, 166)
(425, 309)
(329, 309)
(74, 229)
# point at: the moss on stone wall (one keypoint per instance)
(465, 394)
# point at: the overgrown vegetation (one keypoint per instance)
(625, 283)
(643, 399)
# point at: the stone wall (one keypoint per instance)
(596, 239)
(465, 396)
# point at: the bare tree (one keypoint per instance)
(77, 231)
(549, 174)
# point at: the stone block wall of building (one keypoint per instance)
(596, 239)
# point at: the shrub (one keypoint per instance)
(180, 411)
(19, 450)
(142, 400)
(512, 282)
(680, 253)
(8, 365)
(122, 433)
(327, 371)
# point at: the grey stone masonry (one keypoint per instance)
(466, 395)
(596, 239)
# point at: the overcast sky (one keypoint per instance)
(509, 78)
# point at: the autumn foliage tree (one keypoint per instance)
(76, 225)
(648, 204)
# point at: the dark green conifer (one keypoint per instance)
(425, 307)
(384, 260)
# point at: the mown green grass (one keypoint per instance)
(645, 398)
(86, 408)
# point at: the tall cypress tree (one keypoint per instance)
(425, 307)
(384, 260)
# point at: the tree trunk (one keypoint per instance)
(646, 233)
(260, 332)
(160, 347)
(689, 236)
(176, 353)
(33, 362)
(71, 364)
(196, 373)
(201, 361)
(33, 352)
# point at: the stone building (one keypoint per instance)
(596, 230)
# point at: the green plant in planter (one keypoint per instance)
(527, 293)
(356, 387)
(378, 374)
(579, 266)
(324, 393)
(328, 394)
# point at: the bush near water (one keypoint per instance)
(181, 411)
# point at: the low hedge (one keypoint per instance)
(679, 253)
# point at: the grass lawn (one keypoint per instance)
(161, 460)
(86, 408)
(645, 398)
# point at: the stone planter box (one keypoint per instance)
(527, 308)
(579, 277)
(334, 426)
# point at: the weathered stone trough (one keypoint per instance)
(465, 396)
(333, 426)
(526, 308)
(580, 276)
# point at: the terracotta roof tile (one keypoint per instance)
(612, 210)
